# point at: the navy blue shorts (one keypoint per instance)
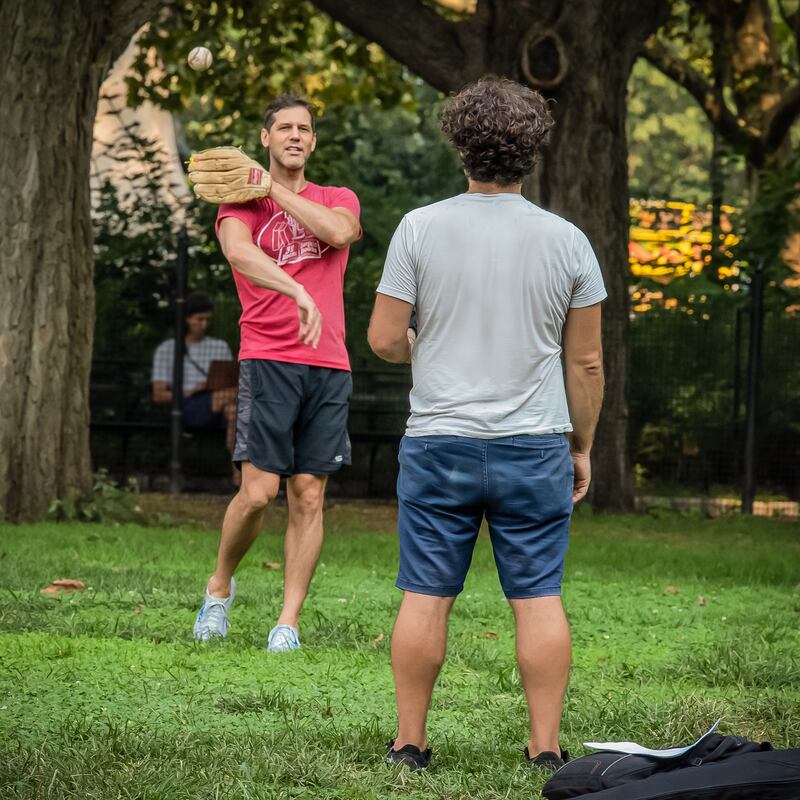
(198, 411)
(447, 484)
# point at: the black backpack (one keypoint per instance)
(717, 768)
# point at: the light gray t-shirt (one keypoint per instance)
(492, 277)
(196, 363)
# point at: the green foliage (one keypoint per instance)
(106, 695)
(689, 33)
(135, 247)
(135, 236)
(261, 49)
(669, 140)
(107, 503)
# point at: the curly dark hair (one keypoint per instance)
(498, 127)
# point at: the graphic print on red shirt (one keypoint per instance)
(269, 324)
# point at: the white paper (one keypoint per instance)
(632, 748)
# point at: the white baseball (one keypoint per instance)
(200, 59)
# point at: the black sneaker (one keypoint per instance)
(547, 760)
(409, 755)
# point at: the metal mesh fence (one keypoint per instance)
(688, 387)
(687, 391)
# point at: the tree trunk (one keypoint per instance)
(584, 177)
(53, 57)
(580, 53)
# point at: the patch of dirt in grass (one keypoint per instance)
(207, 511)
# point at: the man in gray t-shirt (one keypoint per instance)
(499, 429)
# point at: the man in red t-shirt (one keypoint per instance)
(289, 254)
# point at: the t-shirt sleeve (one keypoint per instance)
(162, 362)
(588, 287)
(342, 197)
(249, 213)
(399, 277)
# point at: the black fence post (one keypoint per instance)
(751, 390)
(176, 415)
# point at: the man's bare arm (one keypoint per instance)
(252, 262)
(583, 363)
(388, 334)
(337, 227)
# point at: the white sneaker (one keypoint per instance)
(282, 639)
(212, 619)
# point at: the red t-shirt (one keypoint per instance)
(269, 324)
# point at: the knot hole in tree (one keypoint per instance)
(544, 58)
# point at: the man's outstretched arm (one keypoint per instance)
(583, 363)
(252, 262)
(388, 334)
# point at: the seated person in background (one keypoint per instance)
(204, 406)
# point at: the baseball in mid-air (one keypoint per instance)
(200, 59)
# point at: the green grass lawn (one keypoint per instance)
(676, 621)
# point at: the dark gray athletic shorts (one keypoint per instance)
(292, 418)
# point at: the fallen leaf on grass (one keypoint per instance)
(270, 565)
(377, 640)
(671, 590)
(137, 609)
(490, 635)
(701, 601)
(63, 585)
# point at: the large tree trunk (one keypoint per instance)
(584, 177)
(53, 57)
(580, 53)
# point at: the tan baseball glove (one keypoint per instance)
(227, 175)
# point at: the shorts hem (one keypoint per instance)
(327, 470)
(433, 591)
(238, 461)
(531, 594)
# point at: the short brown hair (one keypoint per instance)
(498, 127)
(289, 101)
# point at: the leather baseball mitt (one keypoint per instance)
(227, 175)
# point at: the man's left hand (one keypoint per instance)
(583, 475)
(228, 175)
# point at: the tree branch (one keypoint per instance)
(126, 18)
(785, 112)
(703, 91)
(433, 47)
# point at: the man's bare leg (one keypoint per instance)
(242, 524)
(544, 651)
(419, 643)
(305, 495)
